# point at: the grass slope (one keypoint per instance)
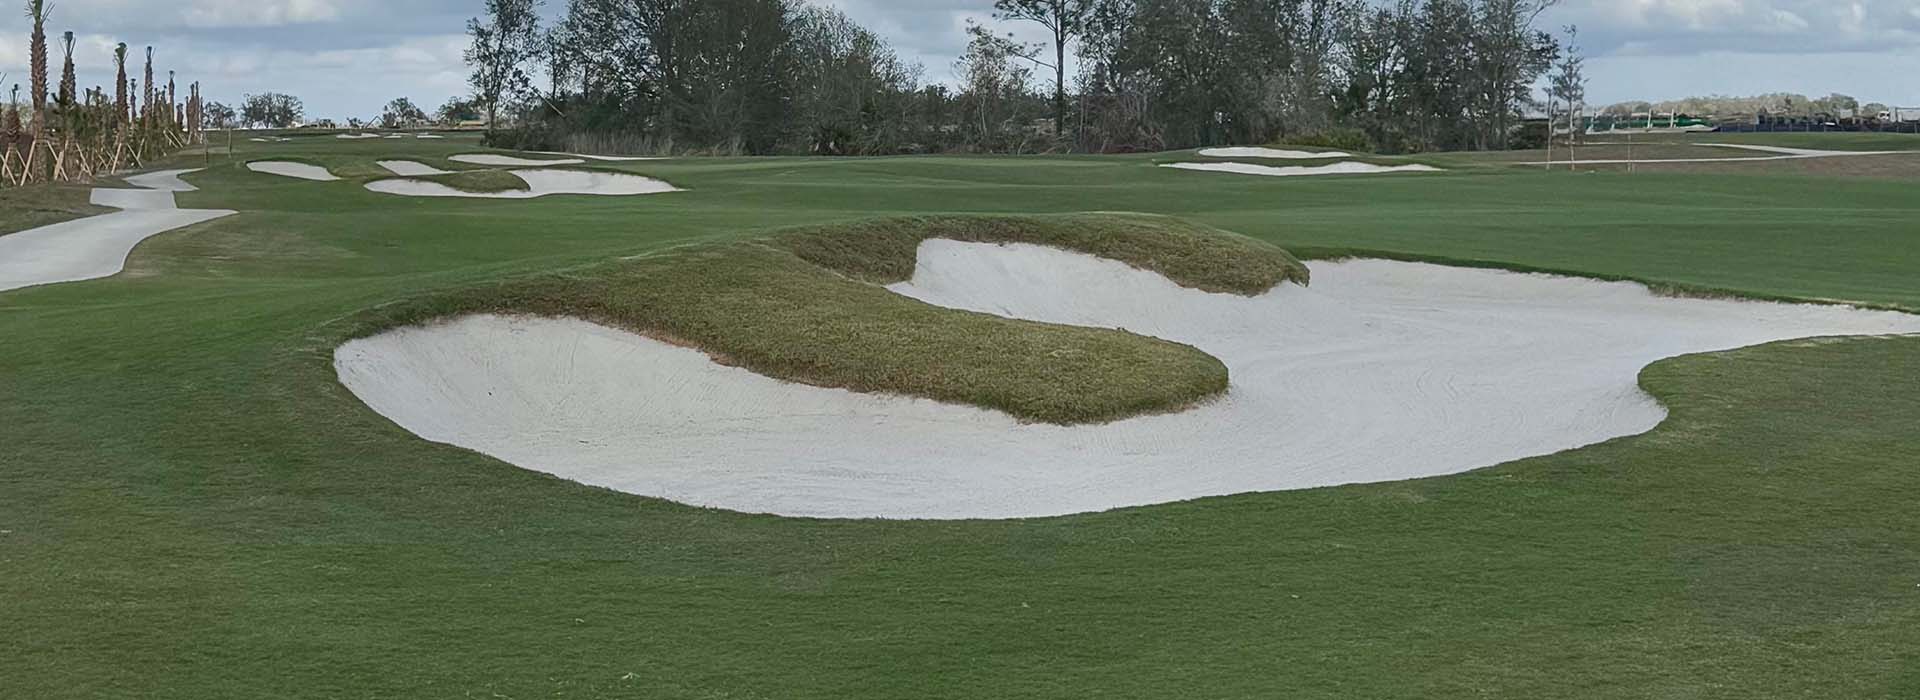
(192, 507)
(777, 306)
(33, 206)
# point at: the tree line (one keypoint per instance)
(785, 76)
(63, 133)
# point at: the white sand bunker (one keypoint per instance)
(1382, 371)
(616, 159)
(1343, 168)
(97, 246)
(540, 183)
(1274, 153)
(357, 136)
(409, 168)
(291, 169)
(501, 161)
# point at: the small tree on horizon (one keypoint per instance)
(401, 113)
(217, 116)
(456, 110)
(272, 110)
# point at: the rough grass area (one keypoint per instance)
(33, 206)
(806, 306)
(480, 181)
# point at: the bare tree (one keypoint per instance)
(1066, 20)
(994, 82)
(1568, 85)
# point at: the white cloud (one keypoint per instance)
(202, 14)
(1760, 26)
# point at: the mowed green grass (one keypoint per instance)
(192, 507)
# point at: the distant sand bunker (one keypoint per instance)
(540, 183)
(605, 158)
(291, 169)
(1345, 168)
(1274, 153)
(498, 160)
(1381, 371)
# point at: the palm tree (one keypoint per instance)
(146, 118)
(120, 83)
(69, 89)
(37, 11)
(10, 125)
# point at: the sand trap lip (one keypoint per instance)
(498, 160)
(1382, 371)
(1344, 168)
(540, 183)
(98, 246)
(291, 169)
(1273, 153)
(411, 168)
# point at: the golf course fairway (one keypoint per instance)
(192, 504)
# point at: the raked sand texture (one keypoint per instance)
(1344, 168)
(97, 246)
(540, 183)
(300, 171)
(1381, 371)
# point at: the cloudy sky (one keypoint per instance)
(348, 57)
